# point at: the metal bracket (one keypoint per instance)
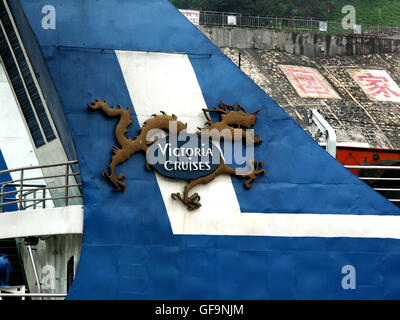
(318, 126)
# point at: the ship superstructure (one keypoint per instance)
(146, 236)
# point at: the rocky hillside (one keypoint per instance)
(359, 118)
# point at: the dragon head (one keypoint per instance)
(232, 117)
(240, 119)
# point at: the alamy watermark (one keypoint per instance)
(48, 278)
(49, 20)
(349, 280)
(203, 148)
(349, 20)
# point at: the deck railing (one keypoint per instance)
(29, 190)
(386, 184)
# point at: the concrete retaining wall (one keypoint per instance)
(308, 44)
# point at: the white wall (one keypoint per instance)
(51, 252)
(15, 143)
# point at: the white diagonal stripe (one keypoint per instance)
(164, 81)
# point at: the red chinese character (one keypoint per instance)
(309, 82)
(377, 85)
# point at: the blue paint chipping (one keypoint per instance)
(128, 250)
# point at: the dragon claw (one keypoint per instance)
(176, 196)
(121, 176)
(105, 174)
(257, 140)
(192, 202)
(119, 186)
(254, 173)
(194, 198)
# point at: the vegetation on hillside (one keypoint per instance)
(371, 12)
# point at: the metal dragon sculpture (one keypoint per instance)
(231, 118)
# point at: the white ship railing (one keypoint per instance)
(59, 188)
(387, 179)
(34, 187)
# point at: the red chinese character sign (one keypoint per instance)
(377, 84)
(308, 82)
(192, 15)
